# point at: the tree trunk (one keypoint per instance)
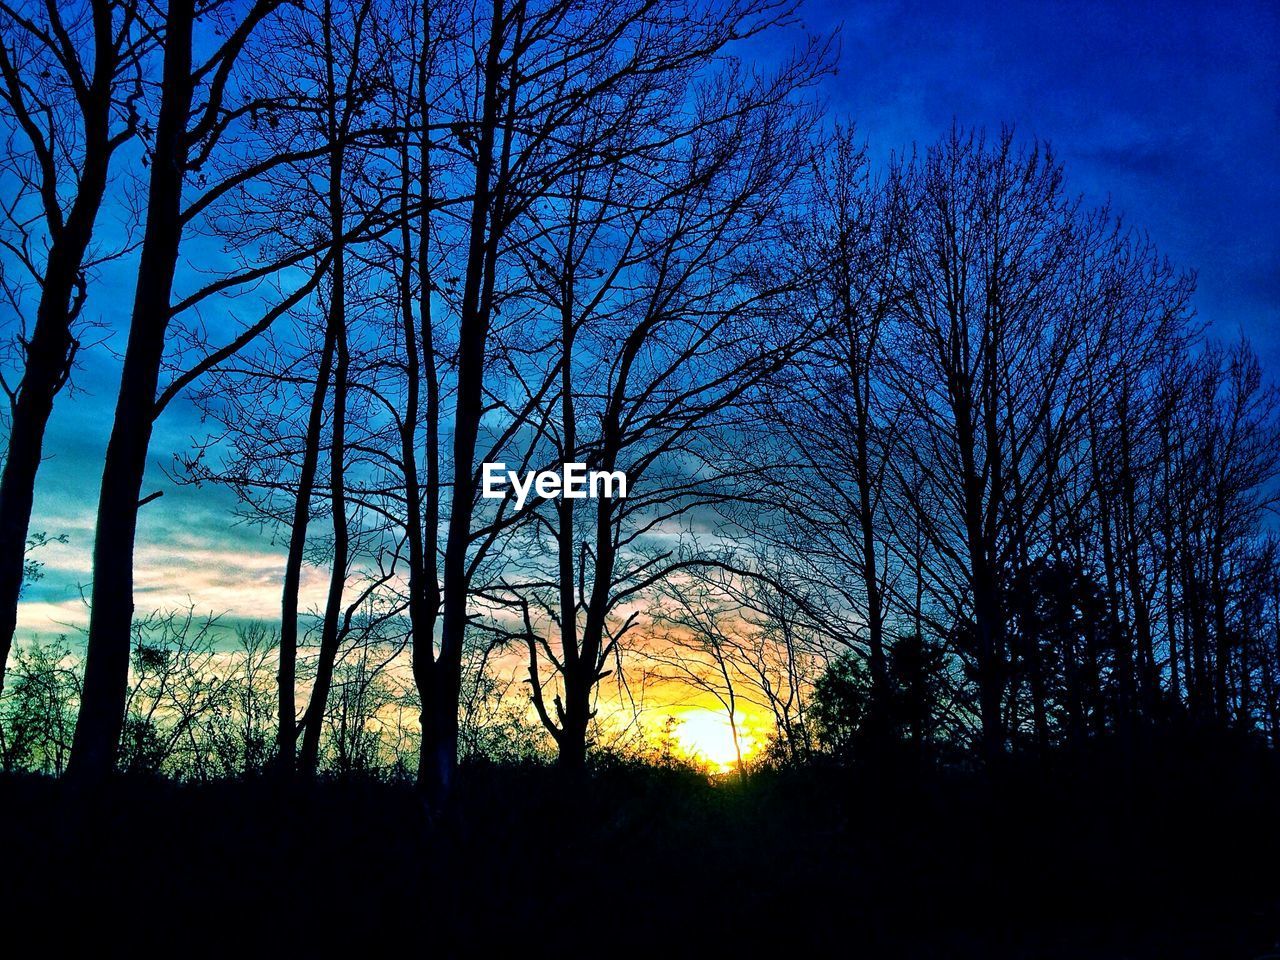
(286, 730)
(422, 512)
(331, 629)
(106, 678)
(440, 736)
(988, 621)
(48, 362)
(52, 347)
(881, 695)
(335, 328)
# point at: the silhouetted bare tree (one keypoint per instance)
(70, 86)
(200, 109)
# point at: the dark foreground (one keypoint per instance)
(1163, 850)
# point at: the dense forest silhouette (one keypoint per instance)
(933, 470)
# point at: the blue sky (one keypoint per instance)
(1170, 110)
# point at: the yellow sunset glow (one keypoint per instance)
(707, 737)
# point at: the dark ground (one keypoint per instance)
(1164, 850)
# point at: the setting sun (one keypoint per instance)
(707, 736)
